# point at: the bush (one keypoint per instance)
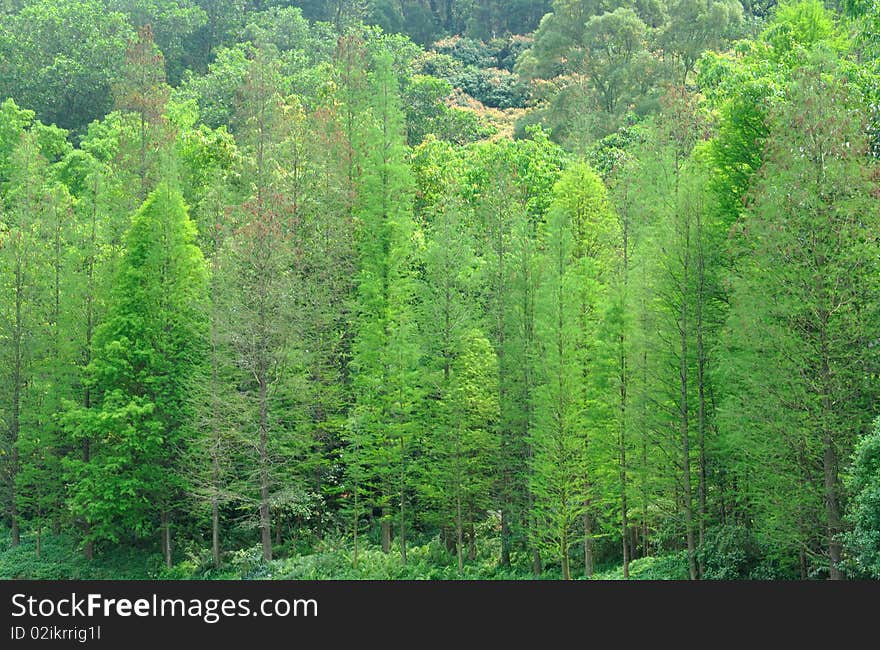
(482, 70)
(664, 567)
(61, 558)
(863, 481)
(728, 553)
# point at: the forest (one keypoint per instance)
(396, 289)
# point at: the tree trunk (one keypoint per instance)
(386, 533)
(701, 394)
(355, 526)
(687, 499)
(215, 380)
(832, 508)
(215, 532)
(829, 464)
(623, 378)
(505, 539)
(566, 573)
(588, 542)
(166, 538)
(15, 536)
(402, 501)
(15, 413)
(802, 556)
(624, 522)
(458, 532)
(472, 540)
(265, 523)
(39, 538)
(644, 480)
(89, 549)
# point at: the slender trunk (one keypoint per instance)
(505, 539)
(15, 413)
(355, 525)
(459, 532)
(687, 498)
(265, 523)
(566, 573)
(623, 379)
(644, 490)
(89, 548)
(537, 566)
(832, 507)
(829, 464)
(215, 410)
(262, 354)
(701, 384)
(588, 542)
(644, 440)
(15, 535)
(459, 523)
(166, 538)
(386, 533)
(500, 311)
(402, 503)
(528, 307)
(802, 557)
(215, 531)
(472, 539)
(624, 521)
(39, 538)
(278, 528)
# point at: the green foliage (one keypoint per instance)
(61, 559)
(863, 482)
(637, 335)
(385, 352)
(51, 67)
(795, 321)
(664, 567)
(173, 23)
(427, 112)
(145, 354)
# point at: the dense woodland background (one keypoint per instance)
(452, 288)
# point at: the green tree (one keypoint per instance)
(385, 352)
(142, 95)
(696, 26)
(145, 355)
(24, 222)
(49, 65)
(263, 285)
(175, 23)
(577, 253)
(798, 367)
(460, 374)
